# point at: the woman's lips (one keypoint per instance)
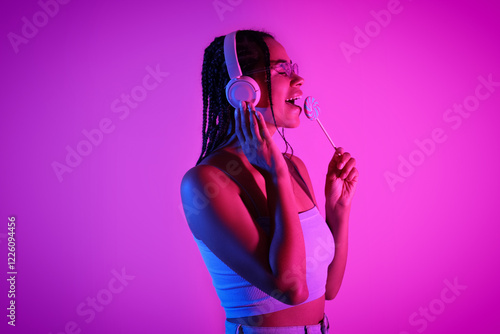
(294, 105)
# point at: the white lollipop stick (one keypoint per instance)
(326, 133)
(311, 109)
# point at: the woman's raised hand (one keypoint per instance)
(341, 180)
(255, 140)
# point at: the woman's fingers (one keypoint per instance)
(244, 121)
(250, 127)
(237, 123)
(247, 124)
(353, 175)
(347, 168)
(264, 132)
(333, 166)
(338, 152)
(254, 124)
(341, 164)
(343, 160)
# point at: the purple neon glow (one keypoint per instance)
(112, 91)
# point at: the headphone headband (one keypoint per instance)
(233, 67)
(240, 87)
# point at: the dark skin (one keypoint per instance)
(226, 222)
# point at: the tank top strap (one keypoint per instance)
(259, 216)
(303, 181)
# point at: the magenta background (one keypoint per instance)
(120, 208)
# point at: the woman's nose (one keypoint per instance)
(297, 80)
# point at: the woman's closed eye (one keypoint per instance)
(280, 69)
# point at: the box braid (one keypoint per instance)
(218, 114)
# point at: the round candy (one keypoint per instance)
(311, 108)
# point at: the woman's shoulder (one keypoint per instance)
(299, 164)
(203, 187)
(213, 168)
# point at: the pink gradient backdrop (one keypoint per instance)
(120, 207)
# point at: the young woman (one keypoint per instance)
(273, 258)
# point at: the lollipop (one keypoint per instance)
(311, 109)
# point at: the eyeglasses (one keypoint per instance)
(282, 68)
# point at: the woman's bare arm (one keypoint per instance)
(337, 217)
(218, 217)
(340, 186)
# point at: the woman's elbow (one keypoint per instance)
(331, 292)
(296, 295)
(330, 295)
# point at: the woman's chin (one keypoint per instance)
(290, 123)
(296, 124)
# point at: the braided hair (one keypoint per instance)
(218, 114)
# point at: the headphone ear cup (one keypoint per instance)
(243, 88)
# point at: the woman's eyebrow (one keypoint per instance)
(280, 61)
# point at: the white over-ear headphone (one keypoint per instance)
(241, 87)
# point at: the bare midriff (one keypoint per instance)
(309, 313)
